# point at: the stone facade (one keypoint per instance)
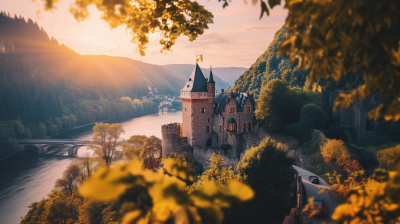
(208, 120)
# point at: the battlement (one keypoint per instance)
(172, 128)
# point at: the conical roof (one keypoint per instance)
(211, 79)
(196, 82)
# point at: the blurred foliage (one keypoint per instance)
(278, 105)
(105, 141)
(375, 200)
(389, 157)
(188, 161)
(170, 18)
(170, 203)
(217, 173)
(268, 171)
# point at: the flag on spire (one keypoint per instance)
(199, 58)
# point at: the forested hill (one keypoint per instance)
(133, 77)
(183, 71)
(46, 88)
(269, 66)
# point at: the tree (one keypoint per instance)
(170, 18)
(61, 210)
(218, 174)
(151, 152)
(133, 147)
(68, 181)
(272, 105)
(335, 151)
(105, 141)
(146, 149)
(268, 170)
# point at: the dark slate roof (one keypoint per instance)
(220, 100)
(211, 79)
(196, 82)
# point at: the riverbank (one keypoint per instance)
(93, 123)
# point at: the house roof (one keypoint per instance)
(196, 82)
(220, 101)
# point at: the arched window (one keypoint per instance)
(231, 125)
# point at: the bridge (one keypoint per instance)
(43, 144)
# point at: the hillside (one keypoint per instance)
(133, 77)
(270, 66)
(229, 74)
(183, 71)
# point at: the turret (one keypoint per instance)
(211, 88)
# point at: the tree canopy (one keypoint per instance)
(169, 17)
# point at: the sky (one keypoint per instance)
(235, 39)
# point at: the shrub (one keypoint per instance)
(338, 132)
(365, 157)
(313, 146)
(311, 117)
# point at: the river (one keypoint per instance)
(28, 178)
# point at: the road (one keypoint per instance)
(312, 191)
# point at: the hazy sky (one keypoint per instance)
(236, 38)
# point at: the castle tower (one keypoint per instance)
(211, 88)
(170, 138)
(197, 112)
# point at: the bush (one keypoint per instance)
(389, 156)
(335, 151)
(338, 132)
(364, 156)
(313, 146)
(311, 117)
(268, 170)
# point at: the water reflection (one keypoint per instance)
(28, 178)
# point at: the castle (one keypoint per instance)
(211, 122)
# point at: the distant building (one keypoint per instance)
(211, 121)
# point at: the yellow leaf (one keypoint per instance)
(240, 190)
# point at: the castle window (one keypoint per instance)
(220, 128)
(231, 110)
(248, 109)
(231, 125)
(187, 86)
(207, 128)
(246, 126)
(202, 110)
(209, 120)
(185, 109)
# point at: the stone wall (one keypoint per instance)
(200, 121)
(187, 119)
(171, 141)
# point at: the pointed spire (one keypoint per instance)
(211, 79)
